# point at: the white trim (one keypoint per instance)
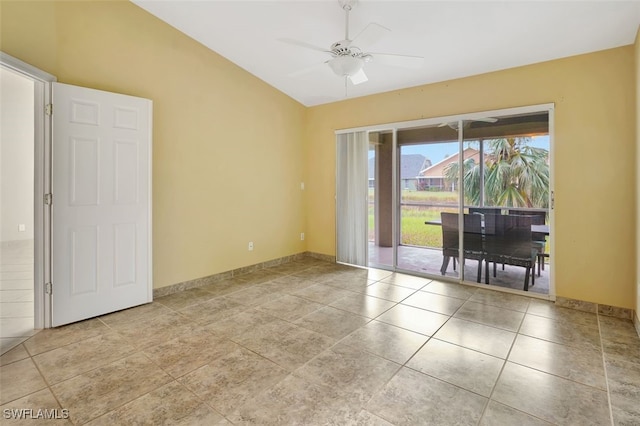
(552, 230)
(42, 184)
(448, 118)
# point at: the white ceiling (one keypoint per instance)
(457, 38)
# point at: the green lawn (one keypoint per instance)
(413, 229)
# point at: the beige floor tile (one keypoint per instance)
(621, 346)
(19, 379)
(234, 326)
(17, 353)
(297, 401)
(479, 337)
(561, 332)
(230, 381)
(331, 322)
(471, 370)
(414, 319)
(289, 308)
(254, 296)
(74, 359)
(361, 304)
(52, 338)
(182, 299)
(387, 341)
(124, 318)
(189, 352)
(493, 316)
(287, 285)
(411, 397)
(498, 414)
(610, 326)
(501, 300)
(408, 281)
(170, 404)
(460, 291)
(624, 388)
(349, 369)
(393, 293)
(578, 364)
(551, 398)
(550, 310)
(99, 391)
(225, 287)
(434, 302)
(159, 329)
(212, 310)
(625, 414)
(41, 404)
(358, 284)
(289, 346)
(322, 293)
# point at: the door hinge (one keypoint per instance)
(48, 109)
(48, 288)
(553, 199)
(48, 199)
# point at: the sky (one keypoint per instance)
(439, 151)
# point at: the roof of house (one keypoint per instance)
(437, 170)
(410, 164)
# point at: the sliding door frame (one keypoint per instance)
(460, 118)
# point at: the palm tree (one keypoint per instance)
(515, 175)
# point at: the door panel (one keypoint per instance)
(101, 211)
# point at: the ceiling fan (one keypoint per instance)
(348, 56)
(465, 123)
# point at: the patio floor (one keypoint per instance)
(427, 261)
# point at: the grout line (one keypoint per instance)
(604, 367)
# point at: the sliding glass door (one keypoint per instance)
(444, 197)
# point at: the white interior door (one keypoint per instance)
(101, 168)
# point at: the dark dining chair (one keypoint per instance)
(508, 241)
(473, 248)
(485, 210)
(539, 240)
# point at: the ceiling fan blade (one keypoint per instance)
(404, 61)
(371, 34)
(303, 44)
(359, 77)
(308, 70)
(486, 120)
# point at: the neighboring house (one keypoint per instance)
(432, 177)
(410, 166)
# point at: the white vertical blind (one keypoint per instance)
(351, 198)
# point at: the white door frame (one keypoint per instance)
(42, 184)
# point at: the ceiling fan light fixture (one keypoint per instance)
(346, 66)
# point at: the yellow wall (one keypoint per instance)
(637, 81)
(594, 155)
(228, 154)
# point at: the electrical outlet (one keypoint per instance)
(250, 245)
(302, 236)
(22, 227)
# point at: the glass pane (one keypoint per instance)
(509, 188)
(425, 194)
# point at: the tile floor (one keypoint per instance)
(16, 293)
(313, 343)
